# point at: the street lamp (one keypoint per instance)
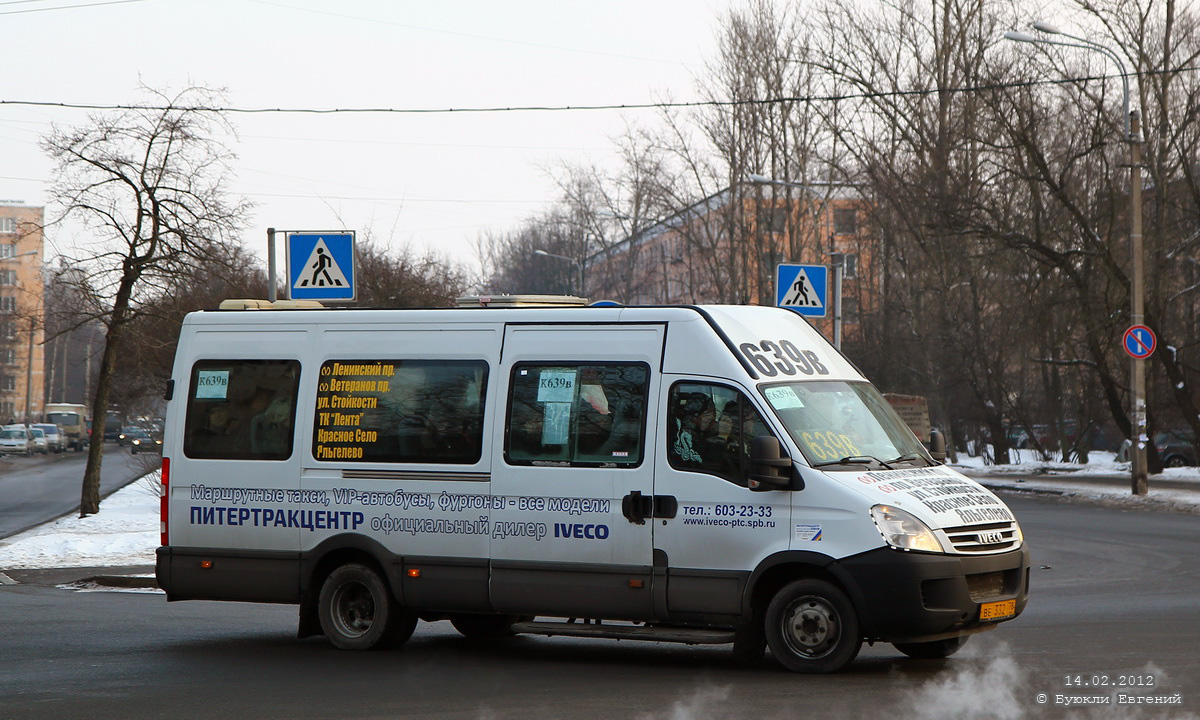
(1137, 290)
(578, 264)
(837, 259)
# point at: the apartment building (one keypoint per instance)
(22, 312)
(725, 248)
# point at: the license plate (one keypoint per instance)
(998, 610)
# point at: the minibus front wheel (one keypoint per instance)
(357, 611)
(811, 627)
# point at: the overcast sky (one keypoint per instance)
(435, 181)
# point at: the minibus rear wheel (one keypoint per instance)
(357, 611)
(811, 627)
(935, 650)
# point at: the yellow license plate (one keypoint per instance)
(998, 610)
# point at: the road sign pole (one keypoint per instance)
(271, 264)
(1137, 292)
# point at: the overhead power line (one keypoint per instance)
(59, 7)
(577, 108)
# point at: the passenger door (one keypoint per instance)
(722, 529)
(571, 534)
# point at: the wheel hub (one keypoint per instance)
(811, 627)
(354, 609)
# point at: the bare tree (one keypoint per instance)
(149, 183)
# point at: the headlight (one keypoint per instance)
(903, 531)
(137, 442)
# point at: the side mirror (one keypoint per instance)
(937, 445)
(766, 465)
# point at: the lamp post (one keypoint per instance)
(837, 259)
(1137, 289)
(568, 258)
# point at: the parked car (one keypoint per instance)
(37, 437)
(1177, 448)
(140, 444)
(15, 440)
(56, 439)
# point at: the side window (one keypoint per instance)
(586, 415)
(400, 411)
(709, 429)
(241, 409)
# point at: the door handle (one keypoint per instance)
(637, 507)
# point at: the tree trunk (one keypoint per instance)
(89, 502)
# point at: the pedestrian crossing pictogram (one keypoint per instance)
(321, 266)
(802, 293)
(802, 288)
(321, 270)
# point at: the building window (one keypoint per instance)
(7, 409)
(7, 250)
(8, 226)
(8, 304)
(8, 383)
(850, 265)
(772, 220)
(850, 310)
(845, 221)
(7, 331)
(8, 278)
(8, 356)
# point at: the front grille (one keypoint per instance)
(985, 586)
(980, 539)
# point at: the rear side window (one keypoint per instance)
(587, 415)
(241, 409)
(400, 411)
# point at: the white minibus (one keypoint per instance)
(698, 474)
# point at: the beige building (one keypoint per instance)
(22, 310)
(725, 249)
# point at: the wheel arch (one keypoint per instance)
(332, 553)
(779, 569)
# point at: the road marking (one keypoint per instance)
(6, 580)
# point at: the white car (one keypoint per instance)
(15, 440)
(37, 437)
(56, 439)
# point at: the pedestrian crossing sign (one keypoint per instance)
(321, 266)
(802, 288)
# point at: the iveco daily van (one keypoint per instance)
(715, 474)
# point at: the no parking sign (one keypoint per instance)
(1139, 342)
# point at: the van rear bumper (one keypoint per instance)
(917, 597)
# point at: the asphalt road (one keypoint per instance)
(1115, 597)
(37, 489)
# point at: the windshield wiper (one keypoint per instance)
(911, 456)
(855, 460)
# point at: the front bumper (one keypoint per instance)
(917, 597)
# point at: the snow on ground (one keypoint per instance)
(125, 531)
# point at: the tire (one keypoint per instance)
(1175, 461)
(811, 627)
(357, 611)
(484, 627)
(935, 650)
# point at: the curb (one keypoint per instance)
(122, 581)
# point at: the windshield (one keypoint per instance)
(12, 435)
(831, 420)
(63, 418)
